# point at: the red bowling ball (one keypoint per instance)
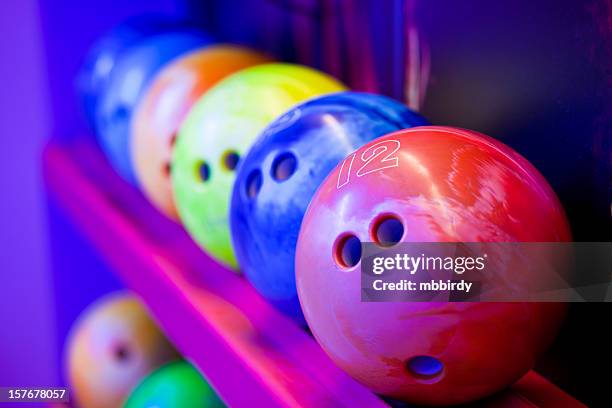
(427, 184)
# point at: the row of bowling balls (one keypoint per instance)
(176, 115)
(116, 356)
(278, 170)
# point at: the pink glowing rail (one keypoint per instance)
(252, 354)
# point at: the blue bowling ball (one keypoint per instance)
(102, 58)
(134, 71)
(283, 169)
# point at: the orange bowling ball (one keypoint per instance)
(110, 348)
(165, 105)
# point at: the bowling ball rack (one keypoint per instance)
(251, 353)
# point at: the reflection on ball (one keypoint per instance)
(440, 185)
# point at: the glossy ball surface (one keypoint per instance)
(133, 73)
(175, 385)
(111, 347)
(219, 130)
(442, 185)
(101, 59)
(281, 173)
(164, 107)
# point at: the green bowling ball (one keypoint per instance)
(219, 130)
(175, 385)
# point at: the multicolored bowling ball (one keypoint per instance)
(165, 105)
(218, 131)
(427, 184)
(127, 84)
(281, 173)
(111, 347)
(102, 58)
(175, 385)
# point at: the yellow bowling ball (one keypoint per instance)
(164, 107)
(219, 130)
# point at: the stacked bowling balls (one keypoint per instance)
(217, 133)
(164, 106)
(277, 171)
(129, 79)
(281, 173)
(111, 351)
